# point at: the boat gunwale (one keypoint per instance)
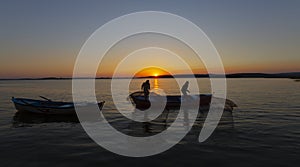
(22, 101)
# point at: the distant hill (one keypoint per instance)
(293, 75)
(263, 75)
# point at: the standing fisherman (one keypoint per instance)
(184, 88)
(146, 87)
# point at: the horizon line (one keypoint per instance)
(230, 75)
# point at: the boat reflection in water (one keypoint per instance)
(130, 127)
(166, 119)
(32, 118)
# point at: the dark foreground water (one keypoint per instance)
(263, 131)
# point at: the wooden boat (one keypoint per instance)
(174, 101)
(46, 106)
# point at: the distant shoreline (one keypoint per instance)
(291, 75)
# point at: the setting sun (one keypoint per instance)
(151, 72)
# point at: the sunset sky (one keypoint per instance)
(42, 38)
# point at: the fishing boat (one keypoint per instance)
(46, 106)
(174, 101)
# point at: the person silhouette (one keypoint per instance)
(146, 87)
(184, 88)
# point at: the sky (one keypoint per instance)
(42, 38)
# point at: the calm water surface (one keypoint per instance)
(263, 131)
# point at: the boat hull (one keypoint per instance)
(46, 107)
(174, 102)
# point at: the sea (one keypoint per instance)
(264, 130)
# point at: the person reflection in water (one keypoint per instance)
(184, 88)
(146, 87)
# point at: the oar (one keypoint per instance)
(45, 98)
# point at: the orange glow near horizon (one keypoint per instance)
(66, 71)
(152, 72)
(35, 60)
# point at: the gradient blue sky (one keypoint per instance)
(42, 38)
